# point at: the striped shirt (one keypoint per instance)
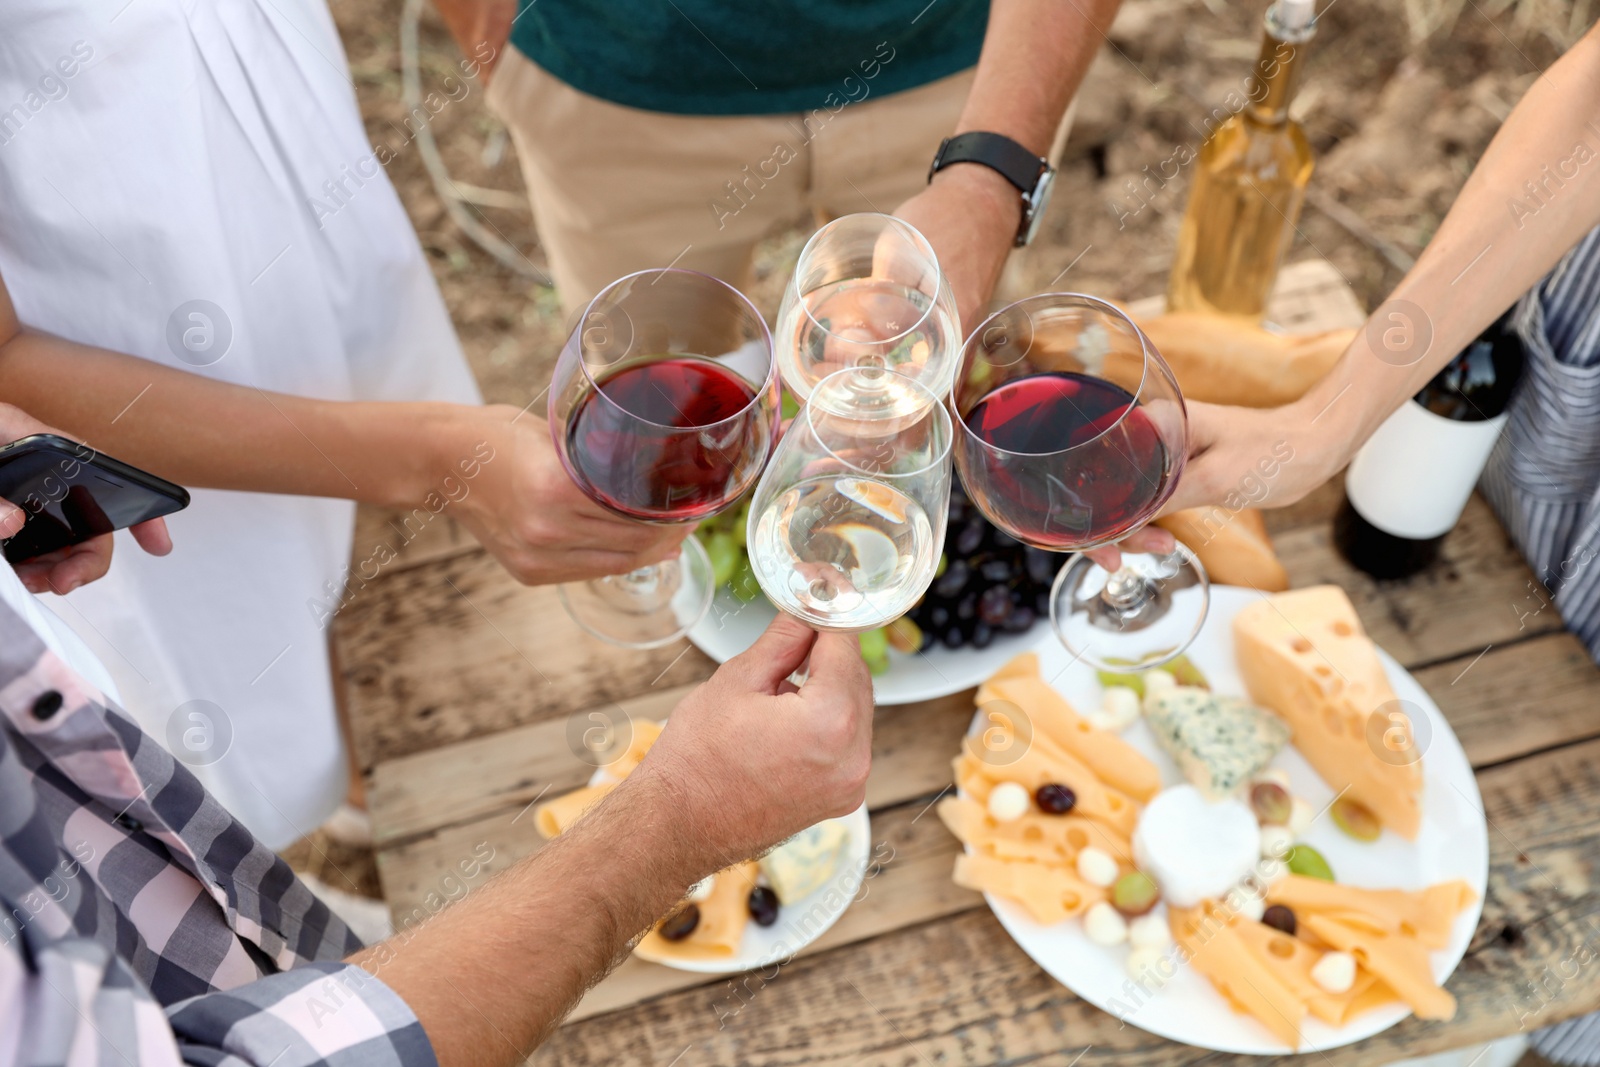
(143, 925)
(1543, 479)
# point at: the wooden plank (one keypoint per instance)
(411, 539)
(457, 649)
(912, 749)
(959, 991)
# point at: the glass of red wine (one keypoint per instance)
(664, 408)
(1073, 435)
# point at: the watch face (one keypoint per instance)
(1037, 203)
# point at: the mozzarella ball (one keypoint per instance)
(1101, 719)
(1008, 802)
(1104, 925)
(1148, 964)
(1121, 706)
(1335, 972)
(1149, 931)
(1276, 841)
(1097, 867)
(1300, 817)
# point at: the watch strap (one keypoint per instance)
(999, 153)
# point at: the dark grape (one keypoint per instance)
(1279, 918)
(970, 538)
(953, 637)
(996, 570)
(1042, 565)
(967, 607)
(1041, 604)
(953, 580)
(958, 512)
(994, 605)
(938, 617)
(1054, 798)
(982, 635)
(1021, 620)
(1001, 539)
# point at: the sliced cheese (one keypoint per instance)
(723, 916)
(1210, 940)
(1115, 762)
(1050, 892)
(1044, 838)
(554, 816)
(1303, 655)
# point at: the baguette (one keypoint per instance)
(1232, 546)
(1222, 361)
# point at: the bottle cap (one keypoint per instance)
(1294, 15)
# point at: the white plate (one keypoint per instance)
(799, 923)
(1452, 843)
(731, 626)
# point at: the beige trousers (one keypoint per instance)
(615, 189)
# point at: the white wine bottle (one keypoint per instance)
(1407, 486)
(1249, 184)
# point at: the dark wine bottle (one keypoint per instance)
(1407, 486)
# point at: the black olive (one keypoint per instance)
(1279, 918)
(681, 923)
(1054, 799)
(763, 904)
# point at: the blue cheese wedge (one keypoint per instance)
(801, 865)
(1218, 742)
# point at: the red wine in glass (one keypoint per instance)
(627, 443)
(1118, 475)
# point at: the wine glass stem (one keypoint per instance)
(1126, 590)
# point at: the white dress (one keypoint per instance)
(159, 153)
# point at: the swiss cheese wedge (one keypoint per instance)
(1304, 655)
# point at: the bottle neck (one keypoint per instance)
(1277, 72)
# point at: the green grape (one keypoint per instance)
(743, 584)
(725, 556)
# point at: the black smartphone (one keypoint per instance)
(71, 493)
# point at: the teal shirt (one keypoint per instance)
(718, 57)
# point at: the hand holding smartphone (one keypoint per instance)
(66, 498)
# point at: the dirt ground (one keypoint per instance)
(1398, 100)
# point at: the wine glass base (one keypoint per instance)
(648, 607)
(1140, 617)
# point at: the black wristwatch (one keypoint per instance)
(1032, 175)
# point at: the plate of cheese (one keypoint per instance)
(752, 914)
(1275, 846)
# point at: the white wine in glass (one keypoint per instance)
(868, 292)
(848, 521)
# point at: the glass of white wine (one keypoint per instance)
(848, 520)
(868, 292)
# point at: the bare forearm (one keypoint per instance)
(1496, 242)
(493, 975)
(206, 433)
(1035, 54)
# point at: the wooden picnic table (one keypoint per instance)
(467, 692)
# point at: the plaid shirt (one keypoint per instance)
(142, 923)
